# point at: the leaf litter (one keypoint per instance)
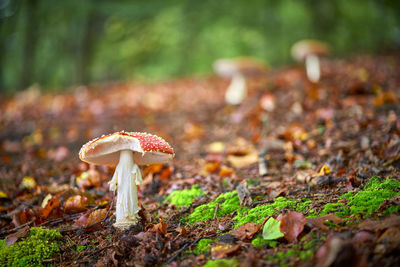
(326, 148)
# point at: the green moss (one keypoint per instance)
(374, 193)
(228, 203)
(364, 202)
(258, 214)
(304, 251)
(259, 241)
(337, 208)
(204, 246)
(222, 263)
(184, 197)
(304, 206)
(41, 244)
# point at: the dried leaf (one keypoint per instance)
(390, 237)
(292, 225)
(243, 161)
(90, 178)
(325, 169)
(23, 217)
(182, 231)
(215, 148)
(328, 253)
(46, 200)
(75, 204)
(246, 231)
(51, 206)
(153, 168)
(225, 171)
(193, 131)
(222, 250)
(211, 167)
(319, 222)
(166, 173)
(82, 221)
(371, 225)
(12, 238)
(3, 195)
(96, 216)
(28, 182)
(240, 147)
(161, 228)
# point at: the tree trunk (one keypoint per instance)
(30, 41)
(93, 29)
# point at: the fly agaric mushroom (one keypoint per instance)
(126, 150)
(309, 51)
(236, 69)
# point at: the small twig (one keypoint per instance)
(58, 220)
(215, 211)
(267, 201)
(6, 232)
(179, 251)
(179, 215)
(262, 163)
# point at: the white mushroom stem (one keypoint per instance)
(237, 90)
(313, 68)
(125, 180)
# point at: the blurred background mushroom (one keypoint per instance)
(309, 52)
(237, 69)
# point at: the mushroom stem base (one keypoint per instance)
(125, 225)
(126, 178)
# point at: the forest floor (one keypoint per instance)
(330, 195)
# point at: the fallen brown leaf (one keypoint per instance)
(292, 224)
(371, 225)
(75, 204)
(246, 231)
(222, 250)
(12, 238)
(51, 206)
(96, 216)
(161, 227)
(319, 222)
(23, 217)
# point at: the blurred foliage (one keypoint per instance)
(71, 42)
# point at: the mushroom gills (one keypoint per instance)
(125, 180)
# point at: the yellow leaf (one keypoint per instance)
(3, 195)
(28, 182)
(324, 170)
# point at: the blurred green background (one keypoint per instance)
(61, 43)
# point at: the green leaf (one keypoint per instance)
(271, 229)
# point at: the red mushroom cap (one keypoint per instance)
(147, 148)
